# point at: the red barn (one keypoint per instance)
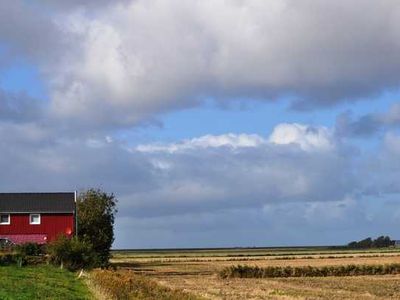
(37, 217)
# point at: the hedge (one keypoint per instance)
(242, 271)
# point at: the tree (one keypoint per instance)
(382, 241)
(96, 214)
(352, 244)
(365, 243)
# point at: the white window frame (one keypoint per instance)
(34, 223)
(9, 220)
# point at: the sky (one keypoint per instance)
(216, 123)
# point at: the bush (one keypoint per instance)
(8, 259)
(308, 271)
(26, 254)
(72, 253)
(30, 249)
(6, 245)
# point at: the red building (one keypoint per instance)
(37, 217)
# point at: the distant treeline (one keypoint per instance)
(379, 242)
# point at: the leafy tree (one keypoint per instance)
(382, 241)
(96, 213)
(352, 244)
(365, 243)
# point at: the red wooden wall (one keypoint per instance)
(51, 225)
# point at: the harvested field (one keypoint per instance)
(204, 266)
(361, 287)
(198, 275)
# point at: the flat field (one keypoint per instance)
(196, 271)
(40, 282)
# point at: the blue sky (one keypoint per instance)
(200, 114)
(23, 78)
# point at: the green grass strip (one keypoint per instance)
(40, 282)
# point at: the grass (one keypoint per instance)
(40, 282)
(127, 285)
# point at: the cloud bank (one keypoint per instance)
(125, 62)
(194, 192)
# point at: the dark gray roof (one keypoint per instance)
(37, 202)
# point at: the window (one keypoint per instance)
(4, 219)
(34, 219)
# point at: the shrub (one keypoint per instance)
(8, 259)
(21, 255)
(30, 249)
(72, 253)
(308, 271)
(6, 245)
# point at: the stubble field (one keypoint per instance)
(196, 272)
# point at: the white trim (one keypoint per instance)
(34, 223)
(9, 220)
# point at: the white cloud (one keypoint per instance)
(297, 163)
(208, 141)
(392, 116)
(131, 61)
(307, 137)
(392, 143)
(112, 64)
